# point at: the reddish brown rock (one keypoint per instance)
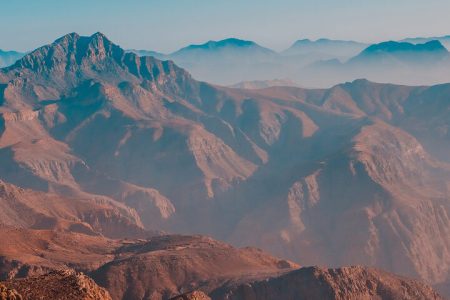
(9, 294)
(196, 295)
(333, 284)
(59, 285)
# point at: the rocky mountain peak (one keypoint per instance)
(54, 70)
(69, 51)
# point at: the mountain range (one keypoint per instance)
(320, 63)
(313, 63)
(112, 150)
(399, 62)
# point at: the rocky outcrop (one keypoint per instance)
(9, 294)
(27, 208)
(196, 295)
(168, 265)
(59, 285)
(351, 283)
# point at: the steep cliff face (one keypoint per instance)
(24, 208)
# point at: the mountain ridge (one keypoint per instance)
(398, 49)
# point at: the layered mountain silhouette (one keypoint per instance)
(320, 63)
(124, 146)
(398, 62)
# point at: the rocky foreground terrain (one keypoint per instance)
(103, 152)
(190, 267)
(339, 284)
(157, 268)
(64, 284)
(9, 294)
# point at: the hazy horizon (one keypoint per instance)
(166, 26)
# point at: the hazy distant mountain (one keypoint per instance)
(325, 48)
(390, 62)
(7, 58)
(237, 60)
(155, 54)
(261, 84)
(245, 61)
(321, 63)
(392, 52)
(223, 48)
(356, 174)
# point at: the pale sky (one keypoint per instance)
(167, 25)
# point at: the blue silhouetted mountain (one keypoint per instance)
(7, 58)
(388, 62)
(232, 45)
(319, 63)
(237, 60)
(391, 52)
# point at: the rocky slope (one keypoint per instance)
(167, 266)
(196, 295)
(9, 294)
(332, 284)
(56, 285)
(156, 268)
(38, 263)
(325, 48)
(293, 171)
(24, 208)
